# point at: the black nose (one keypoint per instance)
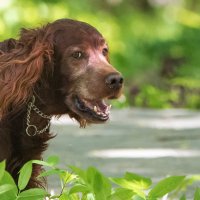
(114, 81)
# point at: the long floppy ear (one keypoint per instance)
(22, 67)
(7, 45)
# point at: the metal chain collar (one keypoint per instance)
(31, 129)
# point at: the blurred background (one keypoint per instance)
(154, 43)
(156, 46)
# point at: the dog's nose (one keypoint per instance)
(114, 81)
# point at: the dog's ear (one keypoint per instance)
(7, 45)
(22, 67)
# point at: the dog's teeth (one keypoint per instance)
(108, 108)
(108, 112)
(95, 108)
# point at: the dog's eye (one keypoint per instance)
(77, 55)
(105, 51)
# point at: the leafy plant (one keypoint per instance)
(90, 184)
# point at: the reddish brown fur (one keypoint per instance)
(40, 62)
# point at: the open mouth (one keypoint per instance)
(95, 110)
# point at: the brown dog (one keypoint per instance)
(61, 68)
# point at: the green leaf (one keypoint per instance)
(5, 188)
(79, 188)
(141, 182)
(90, 196)
(183, 197)
(122, 193)
(90, 174)
(73, 196)
(32, 194)
(197, 194)
(2, 168)
(64, 196)
(165, 186)
(125, 183)
(101, 186)
(51, 172)
(129, 185)
(67, 177)
(43, 163)
(106, 185)
(7, 179)
(53, 160)
(81, 173)
(24, 175)
(136, 197)
(98, 187)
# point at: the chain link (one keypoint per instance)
(31, 106)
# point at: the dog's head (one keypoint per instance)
(87, 76)
(67, 61)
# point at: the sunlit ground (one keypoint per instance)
(144, 153)
(154, 143)
(176, 120)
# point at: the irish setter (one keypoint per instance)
(61, 68)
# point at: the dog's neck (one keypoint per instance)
(32, 129)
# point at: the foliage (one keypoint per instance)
(90, 184)
(147, 39)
